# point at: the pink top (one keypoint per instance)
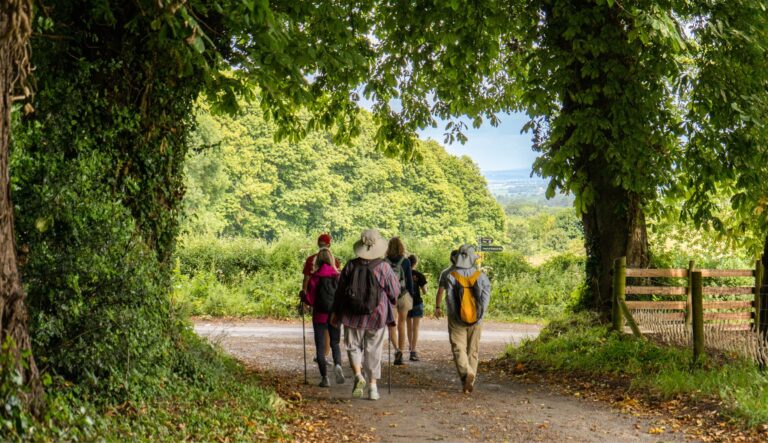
(324, 271)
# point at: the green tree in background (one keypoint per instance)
(616, 93)
(246, 184)
(723, 182)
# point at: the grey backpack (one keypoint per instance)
(360, 291)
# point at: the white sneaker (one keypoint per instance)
(373, 393)
(359, 388)
(339, 375)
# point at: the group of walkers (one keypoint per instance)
(382, 288)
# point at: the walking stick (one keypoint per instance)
(389, 364)
(304, 341)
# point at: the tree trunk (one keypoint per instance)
(764, 259)
(614, 221)
(15, 18)
(614, 227)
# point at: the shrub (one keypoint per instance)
(206, 397)
(245, 277)
(542, 292)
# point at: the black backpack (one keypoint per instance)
(326, 291)
(360, 290)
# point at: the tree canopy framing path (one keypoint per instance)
(426, 403)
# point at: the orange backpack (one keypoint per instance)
(468, 307)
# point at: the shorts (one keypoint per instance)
(417, 311)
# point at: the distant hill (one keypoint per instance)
(518, 184)
(241, 182)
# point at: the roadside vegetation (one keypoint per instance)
(246, 277)
(205, 396)
(576, 345)
(255, 207)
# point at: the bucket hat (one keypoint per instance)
(371, 245)
(466, 258)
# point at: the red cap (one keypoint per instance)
(325, 239)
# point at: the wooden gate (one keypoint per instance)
(735, 308)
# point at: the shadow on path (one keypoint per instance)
(426, 403)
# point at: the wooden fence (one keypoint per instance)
(686, 304)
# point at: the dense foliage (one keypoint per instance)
(247, 277)
(255, 205)
(616, 93)
(97, 169)
(243, 183)
(210, 398)
(97, 185)
(723, 183)
(539, 232)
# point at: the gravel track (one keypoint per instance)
(426, 403)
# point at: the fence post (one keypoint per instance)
(691, 267)
(619, 284)
(758, 285)
(697, 305)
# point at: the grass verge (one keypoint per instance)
(580, 345)
(209, 397)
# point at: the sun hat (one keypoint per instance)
(324, 239)
(371, 245)
(467, 257)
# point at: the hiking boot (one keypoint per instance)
(469, 383)
(398, 358)
(325, 383)
(339, 375)
(373, 393)
(414, 356)
(357, 391)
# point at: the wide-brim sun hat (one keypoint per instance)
(371, 245)
(466, 258)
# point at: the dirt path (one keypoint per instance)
(426, 403)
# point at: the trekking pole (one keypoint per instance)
(389, 364)
(304, 341)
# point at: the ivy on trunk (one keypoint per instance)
(15, 28)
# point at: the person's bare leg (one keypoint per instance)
(413, 332)
(401, 319)
(409, 325)
(393, 336)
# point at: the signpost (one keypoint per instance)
(486, 245)
(485, 240)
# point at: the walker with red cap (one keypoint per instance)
(324, 239)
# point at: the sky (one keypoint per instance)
(493, 149)
(498, 148)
